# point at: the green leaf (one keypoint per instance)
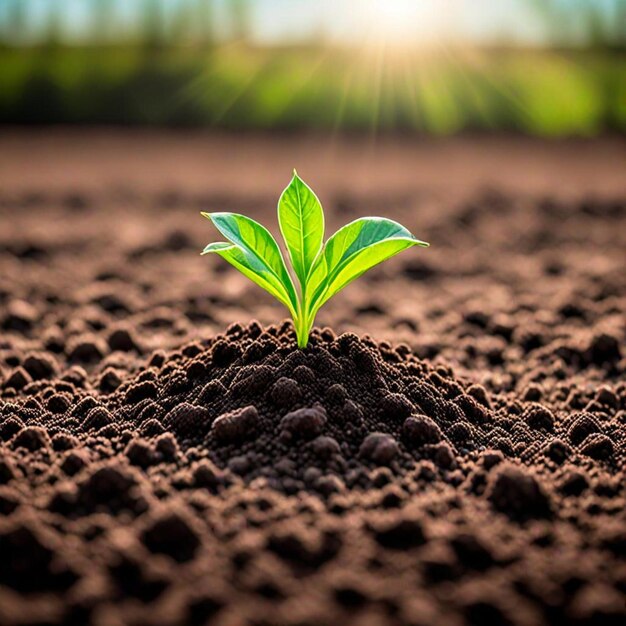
(301, 221)
(248, 266)
(255, 253)
(354, 249)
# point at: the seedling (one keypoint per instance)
(322, 269)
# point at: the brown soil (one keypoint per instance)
(450, 449)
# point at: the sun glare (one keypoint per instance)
(397, 21)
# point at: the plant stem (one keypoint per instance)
(301, 322)
(302, 333)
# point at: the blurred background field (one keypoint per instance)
(551, 68)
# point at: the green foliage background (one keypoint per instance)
(181, 72)
(243, 87)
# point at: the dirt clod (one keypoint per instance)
(235, 426)
(304, 423)
(518, 494)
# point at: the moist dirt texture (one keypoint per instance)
(449, 450)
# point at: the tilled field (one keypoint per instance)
(450, 449)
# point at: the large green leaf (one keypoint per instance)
(351, 251)
(255, 253)
(301, 221)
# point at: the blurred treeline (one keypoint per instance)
(199, 63)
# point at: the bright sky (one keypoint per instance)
(401, 19)
(280, 21)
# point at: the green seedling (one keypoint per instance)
(322, 269)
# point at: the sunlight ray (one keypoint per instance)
(377, 78)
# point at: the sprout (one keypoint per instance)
(322, 269)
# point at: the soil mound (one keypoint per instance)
(249, 402)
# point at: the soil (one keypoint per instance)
(449, 449)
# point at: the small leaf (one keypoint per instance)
(301, 221)
(354, 249)
(255, 253)
(248, 266)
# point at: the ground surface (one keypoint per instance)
(449, 450)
